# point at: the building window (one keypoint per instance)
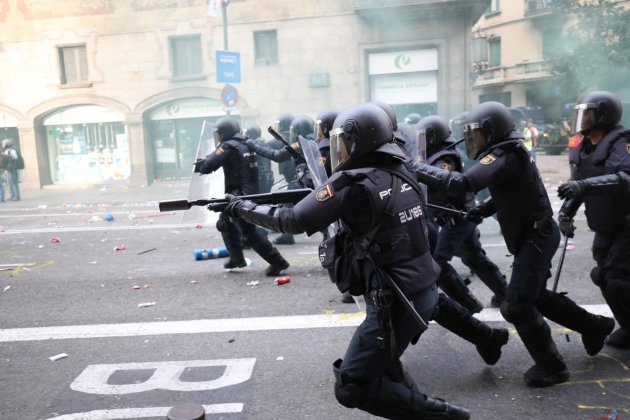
(494, 45)
(493, 7)
(266, 46)
(186, 56)
(73, 64)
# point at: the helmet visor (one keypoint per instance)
(475, 141)
(338, 150)
(583, 117)
(293, 136)
(320, 129)
(421, 138)
(217, 137)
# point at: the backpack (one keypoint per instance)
(19, 163)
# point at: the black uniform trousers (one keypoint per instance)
(365, 361)
(611, 251)
(234, 231)
(462, 240)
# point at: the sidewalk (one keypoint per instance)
(553, 169)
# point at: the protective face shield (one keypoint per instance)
(338, 148)
(320, 129)
(293, 135)
(216, 136)
(584, 117)
(475, 140)
(421, 139)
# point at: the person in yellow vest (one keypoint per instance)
(530, 134)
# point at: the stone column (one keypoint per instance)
(137, 151)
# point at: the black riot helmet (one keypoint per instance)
(413, 118)
(283, 123)
(598, 109)
(324, 123)
(435, 131)
(486, 124)
(302, 125)
(225, 128)
(389, 110)
(359, 130)
(252, 132)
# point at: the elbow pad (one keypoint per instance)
(278, 219)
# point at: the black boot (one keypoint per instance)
(277, 263)
(549, 368)
(562, 310)
(453, 285)
(284, 239)
(233, 243)
(619, 339)
(455, 318)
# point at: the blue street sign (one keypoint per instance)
(228, 66)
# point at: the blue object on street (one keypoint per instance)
(210, 253)
(108, 216)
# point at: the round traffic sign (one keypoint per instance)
(229, 95)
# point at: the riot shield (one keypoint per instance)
(421, 140)
(204, 186)
(313, 158)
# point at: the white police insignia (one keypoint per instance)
(324, 193)
(487, 160)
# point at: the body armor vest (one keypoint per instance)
(241, 170)
(518, 194)
(400, 246)
(604, 213)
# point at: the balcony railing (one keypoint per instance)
(508, 74)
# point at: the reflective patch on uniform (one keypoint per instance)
(628, 147)
(446, 166)
(324, 193)
(218, 150)
(487, 160)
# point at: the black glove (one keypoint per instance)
(475, 215)
(571, 189)
(228, 206)
(566, 226)
(198, 164)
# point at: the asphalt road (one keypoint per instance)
(147, 327)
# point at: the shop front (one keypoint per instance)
(405, 79)
(87, 144)
(175, 130)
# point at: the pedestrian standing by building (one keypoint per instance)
(3, 166)
(524, 213)
(11, 170)
(599, 170)
(530, 138)
(241, 178)
(369, 194)
(457, 236)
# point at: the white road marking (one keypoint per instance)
(95, 228)
(139, 413)
(205, 326)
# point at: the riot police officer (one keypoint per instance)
(531, 234)
(369, 194)
(323, 125)
(241, 178)
(413, 118)
(600, 166)
(265, 173)
(457, 236)
(285, 167)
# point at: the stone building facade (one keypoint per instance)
(97, 91)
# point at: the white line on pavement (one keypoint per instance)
(94, 228)
(204, 326)
(137, 413)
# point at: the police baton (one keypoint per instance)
(448, 210)
(559, 270)
(294, 154)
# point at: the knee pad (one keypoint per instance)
(597, 277)
(347, 393)
(222, 225)
(518, 312)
